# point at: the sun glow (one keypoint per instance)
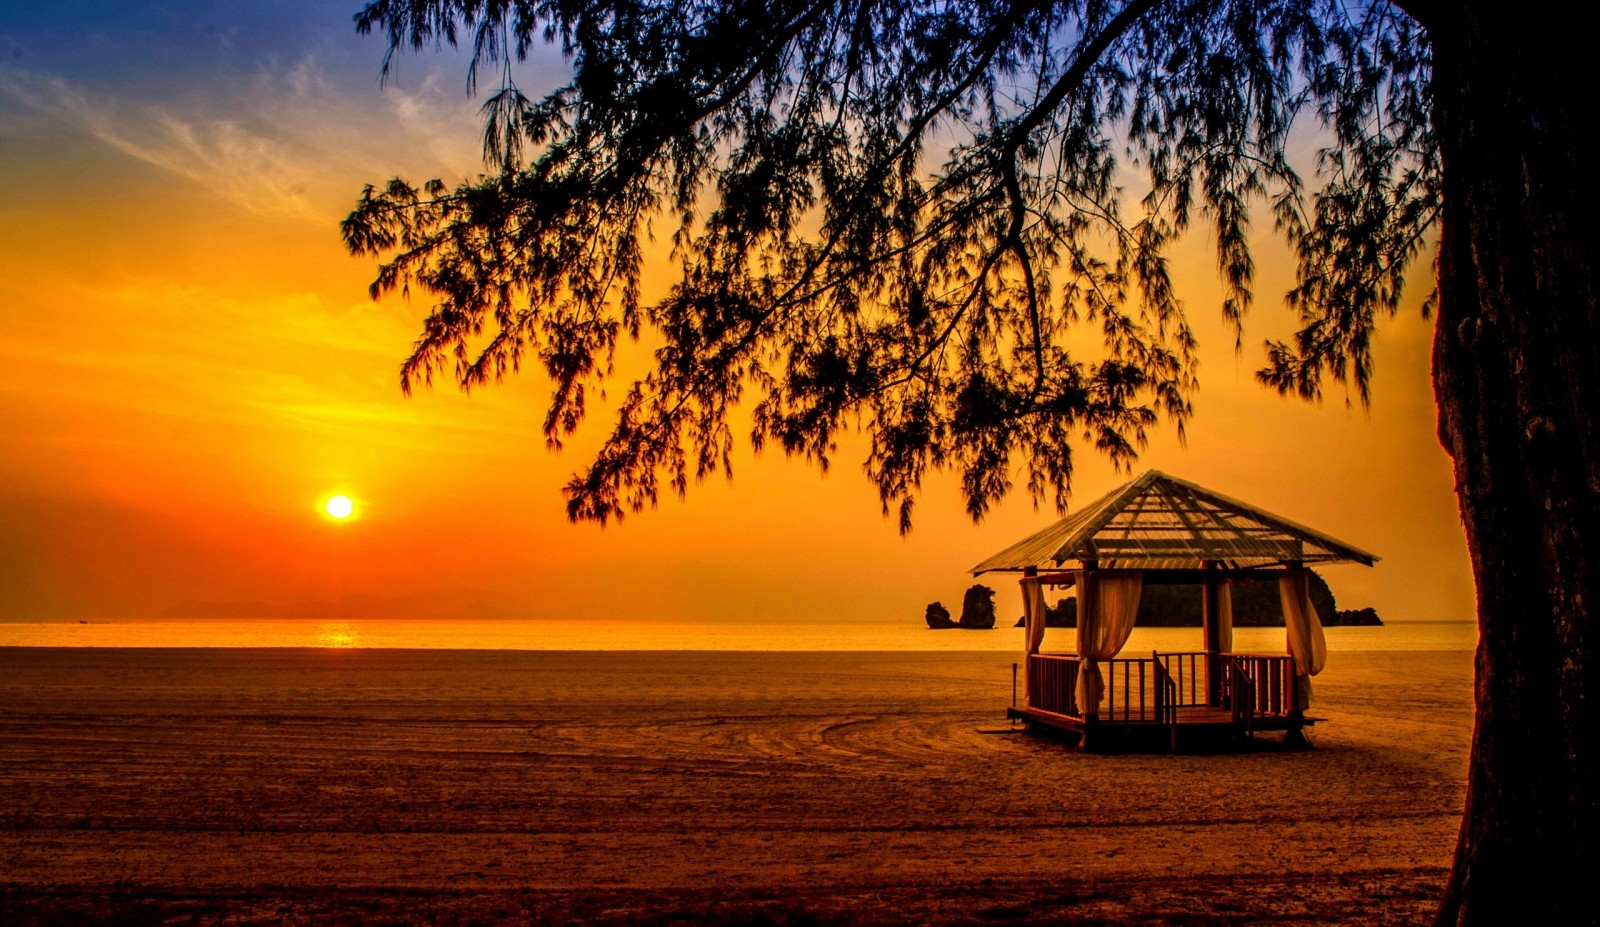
(339, 507)
(337, 636)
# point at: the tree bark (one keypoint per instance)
(1517, 378)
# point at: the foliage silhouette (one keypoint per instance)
(897, 214)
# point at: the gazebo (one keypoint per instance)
(1160, 529)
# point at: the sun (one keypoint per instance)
(339, 507)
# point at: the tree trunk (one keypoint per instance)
(1517, 378)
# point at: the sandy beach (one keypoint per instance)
(416, 787)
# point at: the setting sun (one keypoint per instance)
(339, 507)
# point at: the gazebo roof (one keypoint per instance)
(1159, 522)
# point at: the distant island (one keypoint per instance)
(977, 611)
(1255, 605)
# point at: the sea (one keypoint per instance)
(606, 634)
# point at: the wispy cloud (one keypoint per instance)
(433, 118)
(284, 142)
(265, 173)
(224, 156)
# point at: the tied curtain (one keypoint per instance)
(1307, 644)
(1107, 604)
(1033, 625)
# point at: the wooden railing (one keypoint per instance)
(1167, 694)
(1189, 675)
(1053, 683)
(1260, 686)
(1152, 689)
(1130, 688)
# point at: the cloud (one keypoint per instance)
(434, 118)
(281, 142)
(264, 172)
(224, 156)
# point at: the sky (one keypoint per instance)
(190, 365)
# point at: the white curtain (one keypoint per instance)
(1225, 616)
(1033, 628)
(1107, 604)
(1307, 644)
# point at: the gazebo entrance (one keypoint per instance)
(1159, 529)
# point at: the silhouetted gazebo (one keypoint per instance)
(1160, 529)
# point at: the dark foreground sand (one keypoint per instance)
(412, 787)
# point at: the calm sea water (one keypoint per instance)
(643, 635)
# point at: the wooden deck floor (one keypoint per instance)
(1197, 714)
(1196, 725)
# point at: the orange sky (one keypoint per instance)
(189, 365)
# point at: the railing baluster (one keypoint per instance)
(1135, 668)
(1141, 690)
(1127, 691)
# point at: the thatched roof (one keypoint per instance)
(1159, 522)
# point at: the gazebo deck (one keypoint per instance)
(1166, 698)
(1186, 716)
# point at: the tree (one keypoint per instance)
(895, 215)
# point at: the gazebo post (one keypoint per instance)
(1212, 632)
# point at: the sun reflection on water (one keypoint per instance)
(337, 635)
